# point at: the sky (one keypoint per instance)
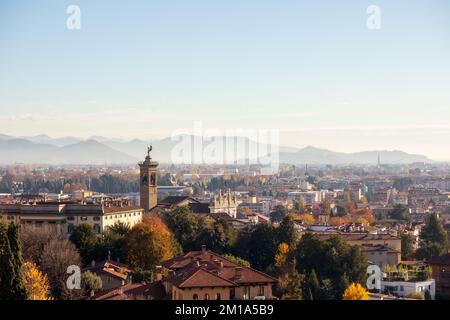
(311, 69)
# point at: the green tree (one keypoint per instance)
(400, 213)
(334, 262)
(407, 241)
(7, 272)
(433, 239)
(91, 283)
(278, 214)
(218, 235)
(85, 239)
(286, 232)
(311, 286)
(237, 260)
(258, 246)
(18, 289)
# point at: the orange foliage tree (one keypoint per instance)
(148, 243)
(281, 255)
(36, 282)
(355, 291)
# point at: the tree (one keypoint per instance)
(237, 260)
(57, 256)
(355, 292)
(91, 283)
(218, 235)
(400, 213)
(427, 295)
(433, 239)
(258, 246)
(407, 241)
(36, 282)
(278, 214)
(34, 240)
(112, 242)
(311, 286)
(300, 205)
(286, 232)
(334, 263)
(185, 226)
(7, 271)
(18, 290)
(289, 286)
(281, 255)
(148, 243)
(307, 219)
(192, 231)
(84, 238)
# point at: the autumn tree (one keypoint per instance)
(148, 243)
(355, 292)
(36, 282)
(281, 255)
(57, 256)
(34, 240)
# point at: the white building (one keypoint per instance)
(403, 288)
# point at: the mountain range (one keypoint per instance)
(97, 150)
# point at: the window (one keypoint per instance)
(97, 228)
(70, 218)
(83, 218)
(69, 228)
(261, 291)
(246, 295)
(195, 296)
(218, 297)
(206, 296)
(401, 288)
(96, 218)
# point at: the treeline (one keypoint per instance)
(106, 183)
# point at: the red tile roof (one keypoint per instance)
(209, 269)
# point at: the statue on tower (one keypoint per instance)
(149, 149)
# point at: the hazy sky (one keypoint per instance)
(312, 69)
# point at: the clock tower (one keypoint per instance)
(148, 185)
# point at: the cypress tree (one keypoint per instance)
(6, 265)
(18, 290)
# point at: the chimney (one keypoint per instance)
(203, 249)
(220, 266)
(158, 273)
(238, 272)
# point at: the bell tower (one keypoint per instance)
(148, 183)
